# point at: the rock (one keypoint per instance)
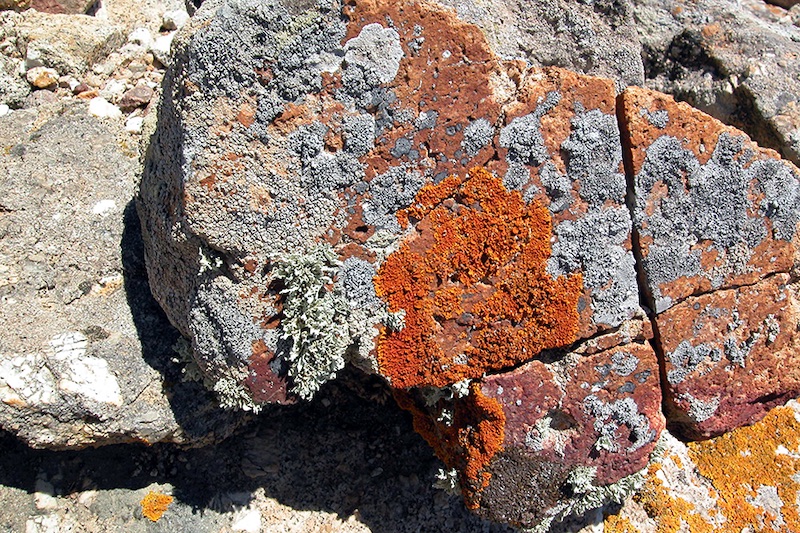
(746, 479)
(134, 124)
(69, 7)
(16, 5)
(735, 62)
(13, 87)
(174, 20)
(4, 110)
(102, 108)
(141, 37)
(42, 77)
(86, 356)
(161, 48)
(385, 192)
(70, 44)
(715, 212)
(597, 38)
(139, 96)
(132, 14)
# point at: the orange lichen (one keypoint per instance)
(618, 524)
(669, 512)
(155, 504)
(473, 284)
(469, 442)
(749, 459)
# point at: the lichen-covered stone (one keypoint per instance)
(367, 183)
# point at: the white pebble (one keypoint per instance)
(103, 206)
(248, 520)
(141, 37)
(174, 20)
(161, 48)
(113, 90)
(4, 110)
(134, 125)
(102, 108)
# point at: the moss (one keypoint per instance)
(473, 284)
(155, 504)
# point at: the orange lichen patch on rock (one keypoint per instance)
(755, 471)
(468, 442)
(155, 504)
(671, 513)
(618, 524)
(483, 252)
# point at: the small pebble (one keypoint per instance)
(139, 96)
(103, 206)
(4, 110)
(141, 37)
(161, 48)
(100, 107)
(80, 88)
(174, 20)
(134, 125)
(42, 77)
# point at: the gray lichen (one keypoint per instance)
(376, 49)
(609, 417)
(523, 135)
(477, 134)
(359, 134)
(686, 359)
(390, 192)
(315, 318)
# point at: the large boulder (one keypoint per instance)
(85, 357)
(370, 184)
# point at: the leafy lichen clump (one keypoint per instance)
(315, 318)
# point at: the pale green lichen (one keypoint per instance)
(315, 318)
(447, 480)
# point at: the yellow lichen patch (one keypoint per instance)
(617, 524)
(670, 513)
(473, 284)
(749, 467)
(155, 504)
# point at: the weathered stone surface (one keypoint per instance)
(85, 354)
(549, 439)
(745, 480)
(713, 209)
(730, 356)
(373, 186)
(68, 7)
(597, 38)
(738, 62)
(68, 43)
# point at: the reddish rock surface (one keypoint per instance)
(730, 356)
(69, 7)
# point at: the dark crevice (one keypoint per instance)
(646, 299)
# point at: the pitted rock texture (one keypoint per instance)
(369, 184)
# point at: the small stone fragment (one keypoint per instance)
(102, 108)
(42, 77)
(139, 96)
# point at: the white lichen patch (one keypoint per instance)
(376, 49)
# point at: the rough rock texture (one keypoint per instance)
(371, 185)
(84, 359)
(17, 5)
(70, 7)
(68, 43)
(746, 480)
(737, 61)
(714, 212)
(597, 38)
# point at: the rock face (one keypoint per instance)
(370, 184)
(85, 357)
(738, 62)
